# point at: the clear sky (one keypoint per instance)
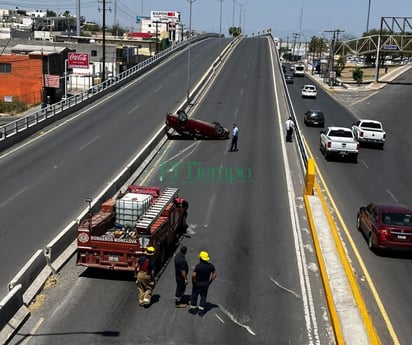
(284, 17)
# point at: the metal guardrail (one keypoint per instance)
(21, 128)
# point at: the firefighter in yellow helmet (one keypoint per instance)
(202, 276)
(146, 276)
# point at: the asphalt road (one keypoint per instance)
(45, 183)
(249, 219)
(380, 175)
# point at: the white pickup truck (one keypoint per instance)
(369, 131)
(339, 141)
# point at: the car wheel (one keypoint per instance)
(182, 116)
(327, 155)
(219, 130)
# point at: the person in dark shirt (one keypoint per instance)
(145, 274)
(203, 275)
(181, 271)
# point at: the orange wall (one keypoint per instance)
(25, 80)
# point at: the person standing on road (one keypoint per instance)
(146, 276)
(235, 135)
(203, 275)
(181, 271)
(289, 126)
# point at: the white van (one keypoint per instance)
(299, 71)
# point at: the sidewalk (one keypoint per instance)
(368, 85)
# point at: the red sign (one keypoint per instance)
(52, 80)
(78, 60)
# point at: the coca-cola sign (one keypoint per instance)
(78, 60)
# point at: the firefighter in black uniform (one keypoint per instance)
(181, 271)
(202, 276)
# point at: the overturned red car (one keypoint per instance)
(196, 129)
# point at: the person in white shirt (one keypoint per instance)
(235, 135)
(290, 126)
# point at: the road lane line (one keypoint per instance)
(302, 266)
(392, 196)
(33, 331)
(81, 148)
(14, 196)
(134, 108)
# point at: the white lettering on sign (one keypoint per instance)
(113, 239)
(78, 60)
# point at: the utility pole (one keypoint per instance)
(295, 36)
(332, 53)
(220, 20)
(103, 70)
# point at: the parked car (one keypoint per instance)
(194, 128)
(309, 91)
(386, 226)
(314, 117)
(289, 79)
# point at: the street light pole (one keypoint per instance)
(65, 79)
(188, 56)
(220, 22)
(367, 20)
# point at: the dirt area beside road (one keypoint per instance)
(368, 73)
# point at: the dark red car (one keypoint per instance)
(193, 128)
(386, 226)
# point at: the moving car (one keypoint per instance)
(193, 128)
(369, 132)
(299, 71)
(386, 226)
(314, 117)
(339, 141)
(289, 79)
(309, 91)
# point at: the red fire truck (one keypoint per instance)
(117, 235)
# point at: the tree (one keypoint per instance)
(235, 31)
(50, 13)
(357, 75)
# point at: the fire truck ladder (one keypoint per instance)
(153, 213)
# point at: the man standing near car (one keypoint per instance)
(235, 135)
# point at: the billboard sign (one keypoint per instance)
(165, 16)
(78, 60)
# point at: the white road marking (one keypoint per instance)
(81, 148)
(21, 191)
(302, 266)
(286, 289)
(241, 92)
(32, 332)
(134, 108)
(236, 321)
(210, 209)
(392, 196)
(220, 319)
(363, 162)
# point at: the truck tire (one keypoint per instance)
(327, 155)
(355, 158)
